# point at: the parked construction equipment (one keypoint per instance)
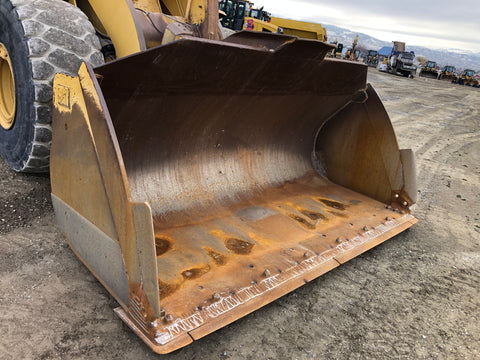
(302, 29)
(195, 200)
(400, 62)
(372, 58)
(235, 12)
(467, 77)
(353, 53)
(241, 15)
(448, 73)
(336, 52)
(429, 70)
(383, 65)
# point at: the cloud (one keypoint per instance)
(440, 23)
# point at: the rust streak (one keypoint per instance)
(166, 289)
(313, 215)
(336, 213)
(195, 273)
(162, 245)
(302, 221)
(217, 258)
(238, 246)
(333, 204)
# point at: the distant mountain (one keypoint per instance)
(459, 59)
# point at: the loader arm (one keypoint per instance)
(135, 25)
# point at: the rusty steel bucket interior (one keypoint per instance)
(263, 164)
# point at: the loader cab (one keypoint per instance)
(371, 58)
(338, 51)
(352, 54)
(259, 14)
(431, 64)
(469, 73)
(449, 69)
(234, 13)
(239, 16)
(260, 20)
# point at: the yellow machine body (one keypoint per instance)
(429, 70)
(260, 25)
(467, 77)
(448, 73)
(301, 29)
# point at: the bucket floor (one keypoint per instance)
(286, 236)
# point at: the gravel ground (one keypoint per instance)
(414, 297)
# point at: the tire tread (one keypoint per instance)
(56, 44)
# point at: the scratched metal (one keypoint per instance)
(230, 301)
(221, 255)
(264, 166)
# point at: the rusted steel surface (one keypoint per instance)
(243, 170)
(359, 150)
(309, 225)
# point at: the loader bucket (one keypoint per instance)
(201, 180)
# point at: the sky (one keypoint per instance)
(435, 24)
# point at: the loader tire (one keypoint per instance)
(41, 37)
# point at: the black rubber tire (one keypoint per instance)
(43, 37)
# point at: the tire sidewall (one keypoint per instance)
(16, 143)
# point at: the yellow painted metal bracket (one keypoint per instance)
(148, 5)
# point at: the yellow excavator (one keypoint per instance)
(198, 178)
(352, 53)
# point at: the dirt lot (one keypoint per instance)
(417, 296)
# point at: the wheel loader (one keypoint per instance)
(198, 178)
(448, 73)
(429, 70)
(467, 77)
(372, 58)
(241, 15)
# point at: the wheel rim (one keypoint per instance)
(7, 90)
